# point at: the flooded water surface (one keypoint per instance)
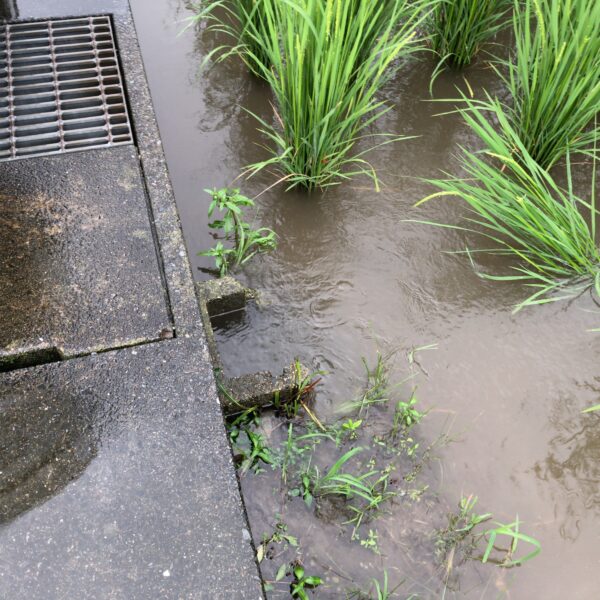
(354, 273)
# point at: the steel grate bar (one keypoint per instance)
(61, 132)
(61, 88)
(11, 105)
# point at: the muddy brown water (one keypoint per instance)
(351, 274)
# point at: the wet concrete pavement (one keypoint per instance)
(79, 267)
(139, 499)
(116, 478)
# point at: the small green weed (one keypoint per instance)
(303, 582)
(299, 447)
(371, 542)
(379, 590)
(350, 428)
(377, 389)
(304, 386)
(279, 536)
(246, 241)
(460, 535)
(406, 415)
(511, 531)
(365, 492)
(249, 448)
(461, 523)
(334, 481)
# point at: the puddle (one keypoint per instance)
(350, 273)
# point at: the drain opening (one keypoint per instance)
(60, 88)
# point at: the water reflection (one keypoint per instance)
(46, 441)
(573, 462)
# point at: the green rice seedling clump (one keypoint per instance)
(459, 28)
(518, 207)
(252, 28)
(327, 62)
(243, 23)
(553, 76)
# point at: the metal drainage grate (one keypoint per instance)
(60, 88)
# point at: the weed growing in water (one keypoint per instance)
(355, 491)
(249, 447)
(460, 526)
(302, 582)
(246, 241)
(305, 385)
(518, 207)
(365, 492)
(379, 590)
(512, 532)
(299, 446)
(332, 482)
(459, 28)
(378, 388)
(371, 542)
(460, 537)
(350, 428)
(279, 536)
(398, 440)
(303, 390)
(406, 415)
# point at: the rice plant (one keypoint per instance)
(326, 63)
(518, 207)
(459, 28)
(241, 21)
(553, 76)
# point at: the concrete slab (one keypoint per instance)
(78, 265)
(129, 492)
